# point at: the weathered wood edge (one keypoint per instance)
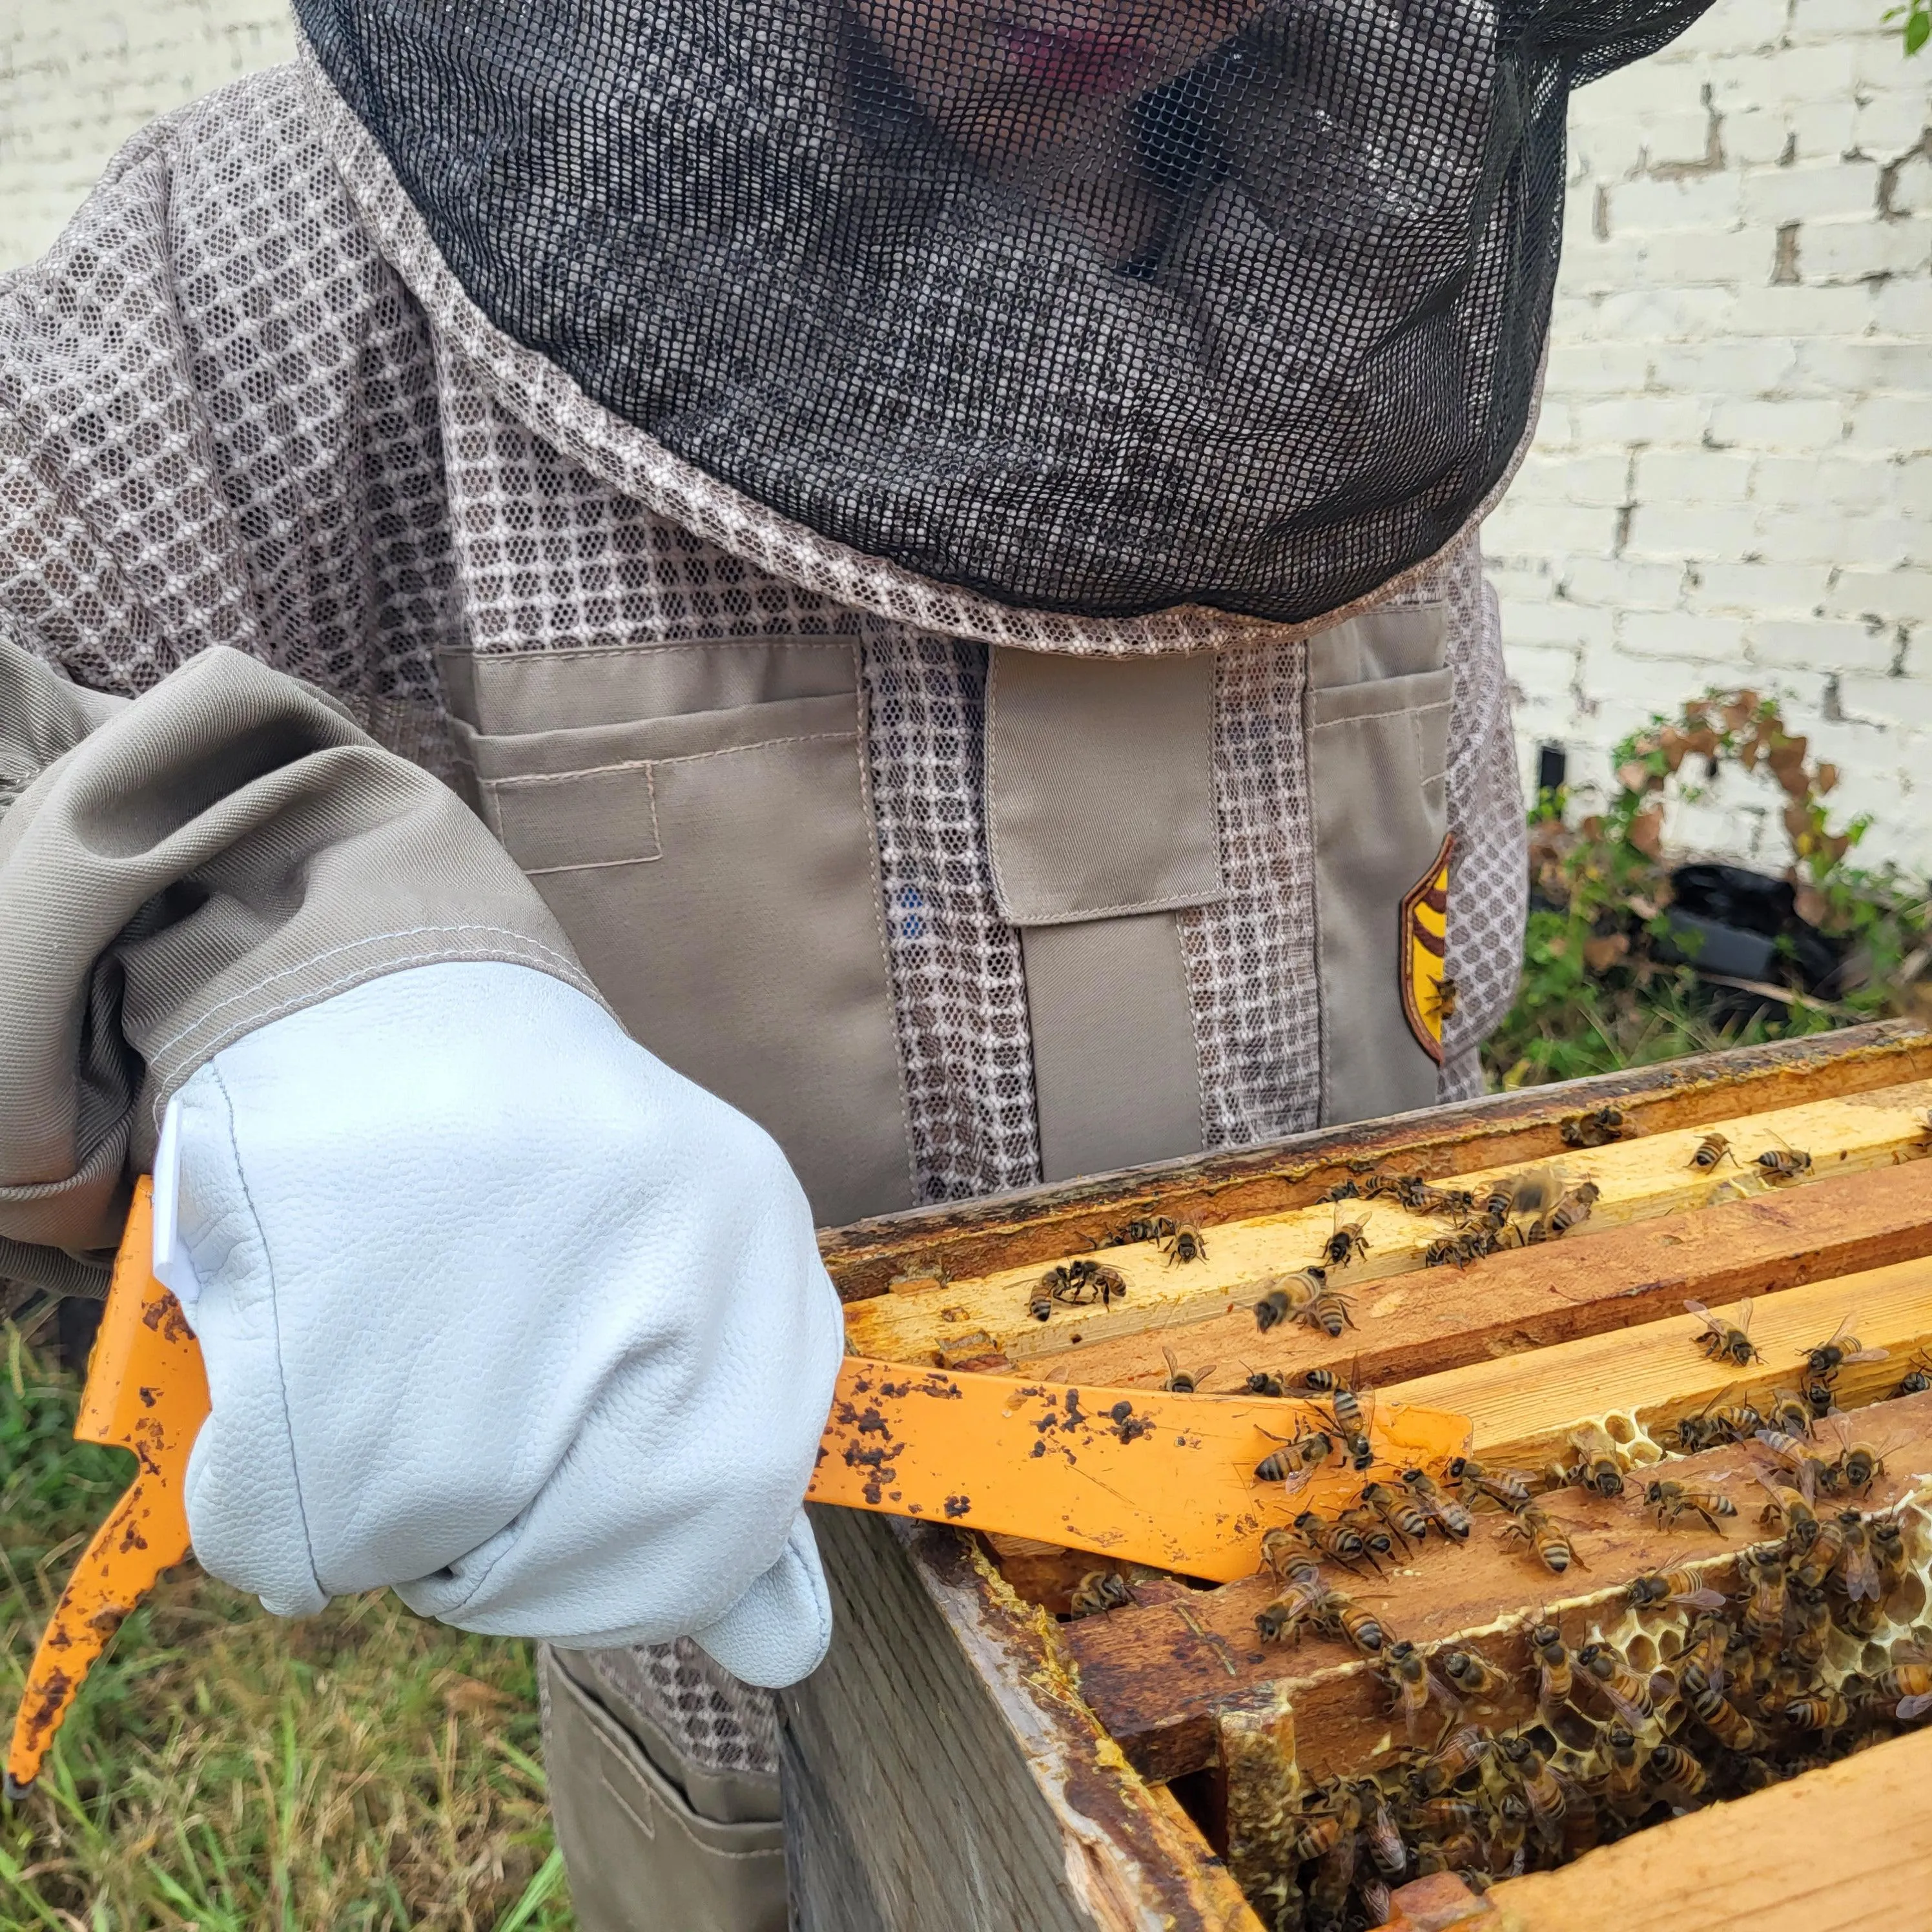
(1127, 1856)
(1847, 1845)
(978, 1237)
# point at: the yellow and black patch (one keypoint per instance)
(1428, 993)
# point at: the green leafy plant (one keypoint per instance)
(1914, 21)
(1606, 983)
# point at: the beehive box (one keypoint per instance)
(970, 1757)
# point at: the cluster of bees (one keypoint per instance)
(1081, 1283)
(1714, 1694)
(1520, 1210)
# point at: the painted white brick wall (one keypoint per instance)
(1732, 479)
(1732, 482)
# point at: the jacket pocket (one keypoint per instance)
(1379, 708)
(715, 869)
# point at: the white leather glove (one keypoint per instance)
(500, 1311)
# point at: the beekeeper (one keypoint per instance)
(626, 626)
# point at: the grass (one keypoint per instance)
(227, 1771)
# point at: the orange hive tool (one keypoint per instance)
(1136, 1475)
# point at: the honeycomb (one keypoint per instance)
(1707, 1700)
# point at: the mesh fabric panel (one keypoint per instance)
(1106, 306)
(715, 1723)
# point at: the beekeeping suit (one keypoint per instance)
(624, 627)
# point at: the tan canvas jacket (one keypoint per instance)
(432, 657)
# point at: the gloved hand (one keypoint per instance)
(498, 1309)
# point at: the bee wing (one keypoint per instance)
(1631, 1713)
(1909, 1708)
(1701, 1600)
(1830, 1341)
(1869, 1355)
(1744, 1315)
(1861, 1574)
(1385, 1845)
(1710, 1320)
(1438, 1687)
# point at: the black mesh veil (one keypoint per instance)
(1102, 305)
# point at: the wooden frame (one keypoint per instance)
(965, 1760)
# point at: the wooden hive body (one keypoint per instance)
(968, 1758)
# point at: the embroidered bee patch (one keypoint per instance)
(1428, 992)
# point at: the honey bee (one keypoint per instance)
(1297, 1460)
(1039, 1303)
(1597, 1129)
(1079, 1283)
(1762, 1571)
(1626, 1692)
(1597, 1466)
(1470, 1673)
(1359, 1627)
(1854, 1563)
(1671, 1501)
(1672, 1768)
(1841, 1349)
(1398, 1510)
(1859, 1464)
(1288, 1296)
(1184, 1382)
(1818, 1398)
(1807, 1625)
(1910, 1682)
(1282, 1620)
(1723, 1341)
(1358, 1449)
(1812, 1471)
(1554, 1549)
(1380, 1832)
(1448, 1515)
(1826, 1552)
(1554, 1679)
(1461, 1752)
(1673, 1587)
(1572, 1209)
(1344, 1403)
(1260, 1382)
(1918, 1378)
(1342, 1190)
(1407, 1673)
(1711, 1426)
(1788, 1411)
(1441, 1006)
(1816, 1711)
(1286, 1552)
(1711, 1149)
(1495, 1206)
(1131, 1234)
(1716, 1712)
(1322, 1830)
(1788, 1508)
(1184, 1242)
(1348, 1243)
(1889, 1552)
(1543, 1790)
(1508, 1489)
(1374, 1533)
(1622, 1785)
(1335, 1540)
(1864, 1617)
(1509, 1834)
(1098, 1592)
(1784, 1162)
(1458, 1251)
(1378, 1903)
(1331, 1312)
